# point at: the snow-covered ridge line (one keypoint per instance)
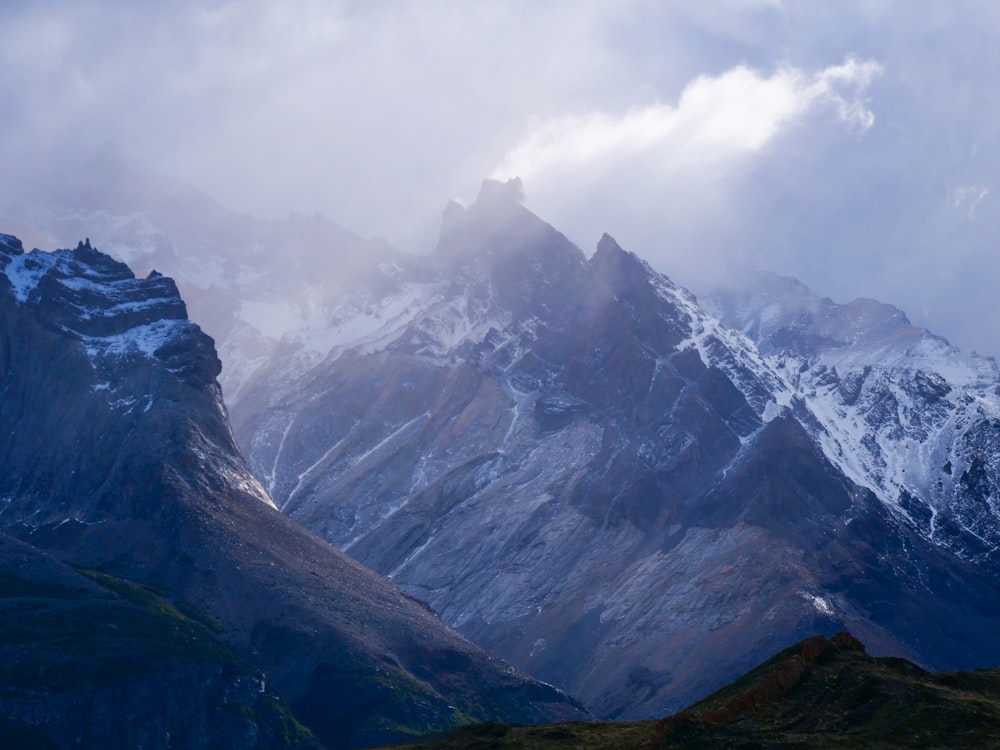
(898, 409)
(115, 313)
(729, 350)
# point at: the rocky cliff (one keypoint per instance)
(577, 466)
(120, 459)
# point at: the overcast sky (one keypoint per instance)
(853, 144)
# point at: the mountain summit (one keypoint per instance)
(119, 460)
(583, 470)
(566, 455)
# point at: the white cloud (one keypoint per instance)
(741, 143)
(717, 119)
(966, 199)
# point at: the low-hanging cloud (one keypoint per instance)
(852, 144)
(657, 176)
(717, 119)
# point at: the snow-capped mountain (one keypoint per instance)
(119, 460)
(577, 466)
(575, 462)
(898, 409)
(263, 289)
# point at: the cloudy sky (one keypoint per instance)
(853, 144)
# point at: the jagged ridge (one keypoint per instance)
(156, 492)
(595, 465)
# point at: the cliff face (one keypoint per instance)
(121, 460)
(584, 471)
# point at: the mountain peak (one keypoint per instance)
(495, 193)
(11, 244)
(608, 244)
(618, 267)
(498, 226)
(89, 296)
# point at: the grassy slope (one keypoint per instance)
(60, 634)
(817, 695)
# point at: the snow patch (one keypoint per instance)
(143, 339)
(25, 271)
(820, 603)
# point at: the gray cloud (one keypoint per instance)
(374, 113)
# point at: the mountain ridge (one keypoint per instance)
(157, 493)
(449, 420)
(593, 468)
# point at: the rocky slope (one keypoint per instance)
(578, 467)
(898, 409)
(555, 451)
(120, 459)
(820, 693)
(92, 661)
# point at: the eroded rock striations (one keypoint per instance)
(581, 469)
(118, 459)
(568, 456)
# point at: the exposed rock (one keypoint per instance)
(121, 459)
(579, 468)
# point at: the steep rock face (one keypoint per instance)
(121, 459)
(578, 467)
(898, 409)
(106, 385)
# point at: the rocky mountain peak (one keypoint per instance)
(130, 362)
(87, 295)
(618, 268)
(495, 193)
(121, 460)
(498, 225)
(9, 247)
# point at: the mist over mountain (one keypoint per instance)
(120, 462)
(555, 452)
(623, 491)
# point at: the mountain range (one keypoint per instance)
(623, 490)
(121, 474)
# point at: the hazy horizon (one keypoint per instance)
(853, 148)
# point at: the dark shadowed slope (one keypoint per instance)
(91, 660)
(821, 694)
(120, 459)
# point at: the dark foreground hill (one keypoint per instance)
(820, 693)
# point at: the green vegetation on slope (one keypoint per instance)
(62, 637)
(831, 694)
(821, 694)
(567, 736)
